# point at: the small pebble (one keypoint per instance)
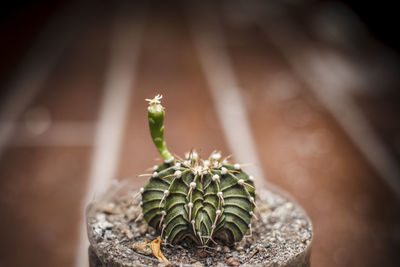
(100, 217)
(235, 254)
(143, 229)
(109, 235)
(197, 264)
(209, 261)
(239, 248)
(104, 225)
(109, 208)
(142, 248)
(202, 253)
(289, 205)
(232, 262)
(226, 249)
(126, 231)
(97, 234)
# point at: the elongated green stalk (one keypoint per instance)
(156, 123)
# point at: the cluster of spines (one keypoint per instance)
(199, 199)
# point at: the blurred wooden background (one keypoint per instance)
(299, 88)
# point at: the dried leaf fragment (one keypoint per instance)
(253, 253)
(156, 248)
(142, 248)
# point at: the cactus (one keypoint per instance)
(206, 200)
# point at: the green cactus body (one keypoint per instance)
(205, 200)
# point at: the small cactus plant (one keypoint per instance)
(206, 200)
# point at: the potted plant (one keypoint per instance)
(198, 212)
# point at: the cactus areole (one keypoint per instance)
(207, 200)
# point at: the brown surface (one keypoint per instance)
(301, 147)
(42, 186)
(39, 206)
(307, 154)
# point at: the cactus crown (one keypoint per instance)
(205, 200)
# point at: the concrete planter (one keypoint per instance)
(281, 236)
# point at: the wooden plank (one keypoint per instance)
(173, 70)
(41, 186)
(306, 152)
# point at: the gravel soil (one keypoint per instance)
(281, 236)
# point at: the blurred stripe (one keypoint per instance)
(47, 133)
(118, 90)
(226, 93)
(325, 77)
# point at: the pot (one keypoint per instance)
(281, 234)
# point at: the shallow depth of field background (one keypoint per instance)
(308, 91)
